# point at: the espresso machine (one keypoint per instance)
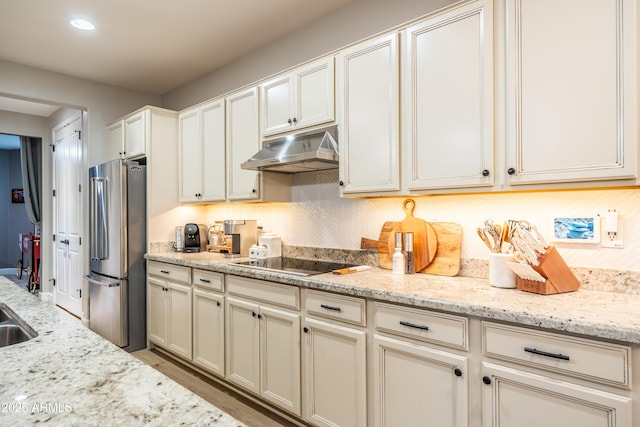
(239, 235)
(195, 237)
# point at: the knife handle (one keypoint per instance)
(368, 243)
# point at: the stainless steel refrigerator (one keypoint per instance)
(117, 242)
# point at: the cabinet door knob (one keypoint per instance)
(306, 330)
(289, 121)
(295, 120)
(485, 172)
(218, 303)
(341, 183)
(486, 380)
(254, 191)
(457, 372)
(254, 314)
(511, 171)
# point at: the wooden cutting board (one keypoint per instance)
(425, 239)
(385, 243)
(447, 257)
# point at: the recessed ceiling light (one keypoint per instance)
(82, 24)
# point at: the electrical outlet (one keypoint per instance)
(611, 231)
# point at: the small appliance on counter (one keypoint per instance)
(217, 242)
(239, 235)
(269, 246)
(195, 237)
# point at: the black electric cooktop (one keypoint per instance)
(297, 266)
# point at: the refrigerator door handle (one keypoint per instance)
(108, 284)
(99, 244)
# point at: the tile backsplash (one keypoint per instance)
(318, 217)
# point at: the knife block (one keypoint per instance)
(552, 267)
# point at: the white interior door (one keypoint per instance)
(67, 201)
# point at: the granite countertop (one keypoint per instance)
(70, 376)
(598, 314)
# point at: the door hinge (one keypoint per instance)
(54, 237)
(53, 282)
(79, 132)
(79, 188)
(80, 241)
(54, 192)
(80, 293)
(53, 147)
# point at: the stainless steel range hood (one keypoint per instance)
(304, 152)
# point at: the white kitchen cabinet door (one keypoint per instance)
(571, 90)
(136, 134)
(367, 77)
(202, 153)
(298, 99)
(335, 383)
(190, 156)
(157, 310)
(208, 331)
(414, 383)
(243, 344)
(115, 140)
(280, 358)
(448, 99)
(243, 141)
(179, 320)
(515, 398)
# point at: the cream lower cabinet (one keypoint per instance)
(416, 383)
(334, 361)
(208, 321)
(536, 383)
(263, 344)
(169, 316)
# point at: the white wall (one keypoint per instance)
(355, 21)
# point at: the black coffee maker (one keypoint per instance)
(195, 237)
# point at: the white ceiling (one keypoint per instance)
(152, 46)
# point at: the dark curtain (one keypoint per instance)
(31, 161)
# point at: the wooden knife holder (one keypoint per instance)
(552, 267)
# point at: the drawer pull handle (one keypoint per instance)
(164, 272)
(205, 280)
(413, 325)
(547, 354)
(330, 307)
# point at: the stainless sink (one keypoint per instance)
(13, 329)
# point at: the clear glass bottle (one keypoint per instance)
(398, 262)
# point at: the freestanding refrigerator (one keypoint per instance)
(117, 242)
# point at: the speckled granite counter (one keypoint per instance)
(597, 314)
(69, 376)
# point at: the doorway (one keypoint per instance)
(14, 220)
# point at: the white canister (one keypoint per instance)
(179, 245)
(272, 243)
(500, 275)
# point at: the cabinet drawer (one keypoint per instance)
(333, 306)
(175, 273)
(598, 361)
(260, 290)
(208, 279)
(439, 328)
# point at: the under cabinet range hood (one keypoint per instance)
(309, 151)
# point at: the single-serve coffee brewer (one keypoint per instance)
(195, 237)
(239, 235)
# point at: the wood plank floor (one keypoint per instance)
(239, 407)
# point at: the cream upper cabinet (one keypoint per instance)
(137, 134)
(115, 140)
(447, 81)
(367, 76)
(298, 99)
(243, 141)
(202, 153)
(571, 90)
